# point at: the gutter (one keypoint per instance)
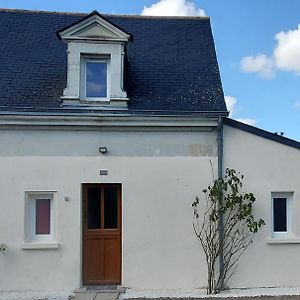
(221, 222)
(87, 111)
(108, 122)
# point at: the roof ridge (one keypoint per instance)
(158, 17)
(107, 15)
(40, 11)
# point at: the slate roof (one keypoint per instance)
(171, 63)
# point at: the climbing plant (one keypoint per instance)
(225, 228)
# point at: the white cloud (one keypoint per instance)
(296, 104)
(173, 8)
(231, 104)
(247, 121)
(260, 64)
(285, 57)
(95, 87)
(287, 51)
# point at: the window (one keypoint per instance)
(94, 79)
(95, 71)
(281, 211)
(39, 218)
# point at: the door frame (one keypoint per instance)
(120, 221)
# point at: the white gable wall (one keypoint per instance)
(160, 171)
(268, 167)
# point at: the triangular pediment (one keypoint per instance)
(93, 27)
(95, 30)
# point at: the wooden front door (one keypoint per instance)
(101, 234)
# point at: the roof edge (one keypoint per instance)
(78, 110)
(33, 11)
(83, 14)
(262, 133)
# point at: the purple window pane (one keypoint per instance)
(42, 216)
(96, 79)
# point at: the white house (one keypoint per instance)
(108, 125)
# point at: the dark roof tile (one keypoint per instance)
(171, 62)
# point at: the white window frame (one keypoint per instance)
(30, 217)
(289, 202)
(83, 61)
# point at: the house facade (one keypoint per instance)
(109, 127)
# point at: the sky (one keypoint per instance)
(257, 44)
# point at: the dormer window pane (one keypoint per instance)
(96, 79)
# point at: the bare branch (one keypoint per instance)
(223, 197)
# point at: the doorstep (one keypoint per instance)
(97, 292)
(101, 289)
(93, 295)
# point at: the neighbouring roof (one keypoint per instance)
(171, 62)
(262, 133)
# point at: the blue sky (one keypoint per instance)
(260, 68)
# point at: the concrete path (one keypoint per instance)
(94, 295)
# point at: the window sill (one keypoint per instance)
(39, 246)
(115, 103)
(95, 101)
(274, 241)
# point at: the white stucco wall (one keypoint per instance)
(161, 171)
(268, 167)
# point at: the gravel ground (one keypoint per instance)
(32, 295)
(161, 293)
(201, 293)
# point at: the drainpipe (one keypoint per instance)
(221, 223)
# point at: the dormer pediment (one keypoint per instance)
(94, 27)
(96, 31)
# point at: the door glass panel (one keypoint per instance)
(110, 208)
(94, 208)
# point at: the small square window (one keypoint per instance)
(39, 217)
(94, 79)
(281, 214)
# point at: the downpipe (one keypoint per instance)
(221, 222)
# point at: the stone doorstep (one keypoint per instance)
(101, 289)
(95, 296)
(97, 292)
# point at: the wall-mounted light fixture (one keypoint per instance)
(3, 247)
(102, 150)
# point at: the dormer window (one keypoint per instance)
(94, 79)
(95, 73)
